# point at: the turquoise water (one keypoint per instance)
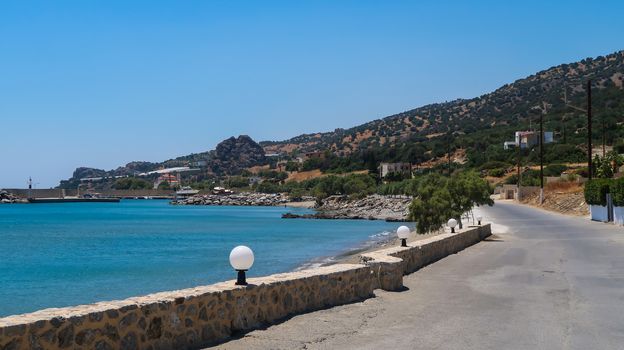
(55, 255)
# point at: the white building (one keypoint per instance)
(528, 139)
(386, 169)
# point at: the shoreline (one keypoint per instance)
(353, 255)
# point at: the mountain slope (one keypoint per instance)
(478, 126)
(511, 104)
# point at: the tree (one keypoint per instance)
(164, 185)
(130, 183)
(467, 189)
(292, 166)
(432, 207)
(440, 198)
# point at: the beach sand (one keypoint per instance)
(353, 256)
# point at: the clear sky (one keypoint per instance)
(102, 83)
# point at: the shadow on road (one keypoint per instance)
(493, 238)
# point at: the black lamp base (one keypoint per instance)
(241, 280)
(452, 229)
(403, 242)
(479, 222)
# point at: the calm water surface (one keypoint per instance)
(55, 255)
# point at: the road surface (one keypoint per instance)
(546, 281)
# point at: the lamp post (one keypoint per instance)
(479, 218)
(241, 259)
(403, 233)
(452, 223)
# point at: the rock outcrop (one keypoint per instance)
(374, 207)
(6, 197)
(237, 153)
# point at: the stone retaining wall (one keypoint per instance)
(197, 317)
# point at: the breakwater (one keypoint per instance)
(60, 193)
(197, 317)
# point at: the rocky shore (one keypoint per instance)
(374, 207)
(6, 197)
(237, 199)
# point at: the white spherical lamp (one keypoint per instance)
(403, 232)
(241, 259)
(479, 218)
(452, 223)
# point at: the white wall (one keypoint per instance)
(599, 213)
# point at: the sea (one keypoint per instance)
(64, 254)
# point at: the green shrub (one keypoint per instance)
(268, 187)
(554, 169)
(498, 172)
(493, 164)
(617, 192)
(596, 191)
(130, 183)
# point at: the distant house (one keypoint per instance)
(254, 180)
(319, 154)
(167, 177)
(528, 139)
(200, 163)
(386, 169)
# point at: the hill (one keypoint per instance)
(472, 130)
(510, 107)
(230, 157)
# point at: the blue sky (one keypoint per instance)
(102, 83)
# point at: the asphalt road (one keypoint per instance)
(546, 281)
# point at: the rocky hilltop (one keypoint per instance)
(230, 157)
(237, 153)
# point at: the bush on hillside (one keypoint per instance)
(554, 169)
(131, 183)
(497, 172)
(494, 164)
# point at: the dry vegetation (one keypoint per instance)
(562, 197)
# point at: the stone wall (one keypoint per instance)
(197, 317)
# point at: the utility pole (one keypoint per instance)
(449, 155)
(589, 124)
(589, 130)
(563, 117)
(541, 147)
(603, 137)
(519, 155)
